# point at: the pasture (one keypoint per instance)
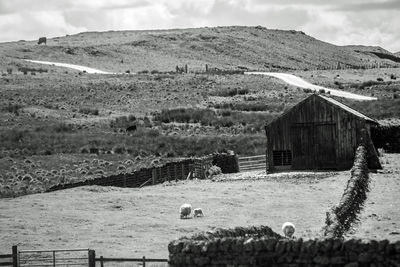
(132, 222)
(127, 222)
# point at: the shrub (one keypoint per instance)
(186, 115)
(89, 111)
(12, 108)
(123, 122)
(229, 92)
(393, 77)
(213, 170)
(143, 72)
(258, 106)
(84, 150)
(379, 79)
(154, 72)
(119, 149)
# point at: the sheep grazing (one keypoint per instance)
(198, 212)
(185, 210)
(288, 229)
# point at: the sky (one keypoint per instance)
(341, 22)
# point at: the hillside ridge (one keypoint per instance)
(231, 47)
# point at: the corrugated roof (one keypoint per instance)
(348, 109)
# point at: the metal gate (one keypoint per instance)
(54, 257)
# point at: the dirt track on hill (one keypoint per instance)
(71, 66)
(297, 81)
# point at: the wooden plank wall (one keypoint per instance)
(172, 171)
(316, 110)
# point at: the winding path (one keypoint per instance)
(289, 78)
(71, 66)
(297, 81)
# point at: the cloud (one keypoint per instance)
(369, 6)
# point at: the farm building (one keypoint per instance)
(316, 134)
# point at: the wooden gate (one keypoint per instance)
(252, 163)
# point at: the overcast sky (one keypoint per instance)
(367, 22)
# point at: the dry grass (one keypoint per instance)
(380, 218)
(135, 222)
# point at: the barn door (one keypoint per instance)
(325, 146)
(302, 147)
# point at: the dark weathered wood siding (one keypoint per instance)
(323, 135)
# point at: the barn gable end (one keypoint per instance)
(317, 133)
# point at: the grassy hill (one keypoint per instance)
(255, 48)
(56, 123)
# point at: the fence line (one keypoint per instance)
(172, 171)
(142, 260)
(10, 260)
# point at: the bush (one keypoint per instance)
(123, 122)
(119, 149)
(12, 108)
(89, 111)
(379, 79)
(393, 77)
(258, 106)
(213, 170)
(186, 115)
(229, 92)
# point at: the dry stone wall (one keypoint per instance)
(267, 251)
(340, 218)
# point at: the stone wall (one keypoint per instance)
(341, 217)
(278, 251)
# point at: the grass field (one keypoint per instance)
(380, 218)
(134, 222)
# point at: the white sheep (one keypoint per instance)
(288, 229)
(185, 210)
(198, 212)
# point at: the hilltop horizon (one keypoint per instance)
(396, 51)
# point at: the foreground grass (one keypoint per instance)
(124, 222)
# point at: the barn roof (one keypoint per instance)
(348, 109)
(334, 102)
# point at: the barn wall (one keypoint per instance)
(311, 111)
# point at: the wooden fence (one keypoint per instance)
(252, 163)
(171, 171)
(65, 257)
(10, 260)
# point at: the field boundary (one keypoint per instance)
(10, 260)
(340, 218)
(172, 171)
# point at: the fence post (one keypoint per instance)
(182, 171)
(154, 175)
(169, 172)
(144, 261)
(101, 261)
(124, 179)
(54, 259)
(15, 256)
(175, 173)
(92, 258)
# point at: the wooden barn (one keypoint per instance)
(316, 134)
